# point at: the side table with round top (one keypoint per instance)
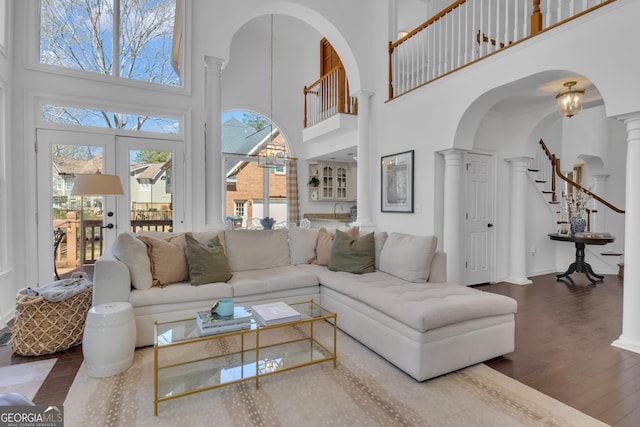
(580, 265)
(109, 339)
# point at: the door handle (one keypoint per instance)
(489, 225)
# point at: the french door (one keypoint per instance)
(150, 172)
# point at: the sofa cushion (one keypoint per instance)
(253, 282)
(180, 293)
(302, 244)
(168, 262)
(132, 252)
(353, 255)
(257, 249)
(207, 261)
(422, 306)
(407, 256)
(325, 242)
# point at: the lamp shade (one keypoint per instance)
(96, 185)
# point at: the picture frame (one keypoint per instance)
(396, 172)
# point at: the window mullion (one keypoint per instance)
(116, 38)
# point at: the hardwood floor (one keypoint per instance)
(563, 346)
(563, 349)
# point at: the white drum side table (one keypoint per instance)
(109, 339)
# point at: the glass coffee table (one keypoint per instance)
(186, 362)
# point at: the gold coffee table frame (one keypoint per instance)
(202, 363)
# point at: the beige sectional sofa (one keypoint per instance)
(403, 309)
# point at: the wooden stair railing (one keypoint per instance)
(555, 163)
(327, 96)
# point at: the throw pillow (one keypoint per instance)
(408, 257)
(380, 237)
(353, 255)
(133, 253)
(325, 242)
(168, 263)
(257, 249)
(207, 261)
(302, 244)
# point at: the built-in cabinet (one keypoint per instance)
(335, 181)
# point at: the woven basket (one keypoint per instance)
(45, 327)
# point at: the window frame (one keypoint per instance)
(128, 108)
(32, 48)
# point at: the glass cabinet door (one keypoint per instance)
(341, 183)
(327, 182)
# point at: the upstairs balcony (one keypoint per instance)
(470, 30)
(328, 105)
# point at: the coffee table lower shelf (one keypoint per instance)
(186, 363)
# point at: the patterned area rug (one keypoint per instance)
(364, 390)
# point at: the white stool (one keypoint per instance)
(109, 339)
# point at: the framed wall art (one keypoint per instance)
(397, 182)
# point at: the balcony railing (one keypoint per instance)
(328, 96)
(469, 30)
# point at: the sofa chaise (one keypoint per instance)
(399, 305)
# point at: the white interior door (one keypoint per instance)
(480, 230)
(60, 156)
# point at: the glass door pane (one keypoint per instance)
(68, 224)
(153, 184)
(151, 190)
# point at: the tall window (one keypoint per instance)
(132, 39)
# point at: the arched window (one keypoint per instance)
(252, 192)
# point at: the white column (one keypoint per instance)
(518, 221)
(597, 220)
(452, 224)
(365, 160)
(214, 170)
(630, 338)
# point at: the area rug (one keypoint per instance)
(25, 378)
(364, 390)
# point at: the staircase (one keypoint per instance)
(544, 171)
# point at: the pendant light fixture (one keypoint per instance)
(272, 155)
(570, 100)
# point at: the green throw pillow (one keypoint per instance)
(207, 261)
(353, 255)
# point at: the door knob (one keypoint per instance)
(489, 225)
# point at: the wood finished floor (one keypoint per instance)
(563, 349)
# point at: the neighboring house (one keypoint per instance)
(64, 171)
(245, 180)
(149, 187)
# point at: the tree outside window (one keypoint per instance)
(82, 35)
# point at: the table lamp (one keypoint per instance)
(93, 185)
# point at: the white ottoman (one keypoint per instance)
(109, 339)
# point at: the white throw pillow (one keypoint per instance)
(380, 237)
(407, 256)
(302, 244)
(257, 249)
(133, 253)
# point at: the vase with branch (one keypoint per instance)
(576, 205)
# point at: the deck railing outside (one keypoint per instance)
(469, 30)
(328, 96)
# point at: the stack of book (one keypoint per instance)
(211, 323)
(274, 313)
